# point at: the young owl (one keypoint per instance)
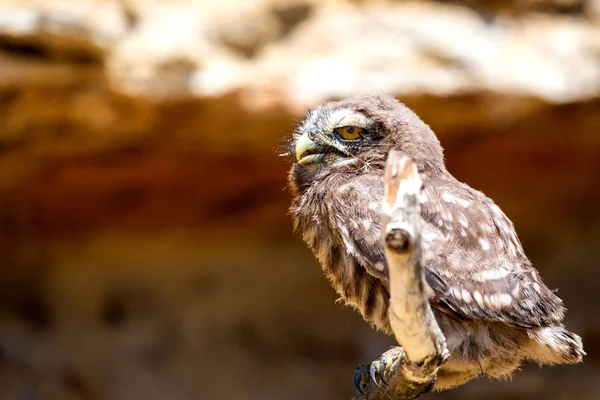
(489, 301)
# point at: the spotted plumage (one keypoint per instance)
(490, 302)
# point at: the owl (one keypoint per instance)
(488, 299)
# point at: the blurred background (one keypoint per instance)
(145, 250)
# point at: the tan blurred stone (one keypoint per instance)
(593, 9)
(82, 29)
(296, 54)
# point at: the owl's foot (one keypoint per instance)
(379, 370)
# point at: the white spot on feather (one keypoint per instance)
(478, 298)
(462, 219)
(512, 249)
(484, 244)
(505, 299)
(448, 198)
(347, 241)
(374, 206)
(366, 224)
(516, 291)
(494, 301)
(486, 228)
(490, 274)
(487, 300)
(466, 296)
(455, 293)
(463, 203)
(344, 188)
(351, 248)
(463, 233)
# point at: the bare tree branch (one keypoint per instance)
(411, 317)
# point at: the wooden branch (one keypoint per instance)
(411, 317)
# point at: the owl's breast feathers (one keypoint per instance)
(474, 261)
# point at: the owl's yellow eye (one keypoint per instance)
(349, 132)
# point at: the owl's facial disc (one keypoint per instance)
(329, 136)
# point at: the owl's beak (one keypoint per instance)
(305, 151)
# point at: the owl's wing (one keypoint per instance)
(475, 263)
(473, 259)
(497, 291)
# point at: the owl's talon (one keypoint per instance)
(362, 378)
(379, 370)
(374, 372)
(384, 375)
(389, 361)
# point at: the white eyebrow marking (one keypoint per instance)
(345, 117)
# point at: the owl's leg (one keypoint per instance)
(379, 370)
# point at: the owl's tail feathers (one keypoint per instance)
(556, 345)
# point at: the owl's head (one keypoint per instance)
(356, 134)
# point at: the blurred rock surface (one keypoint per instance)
(144, 242)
